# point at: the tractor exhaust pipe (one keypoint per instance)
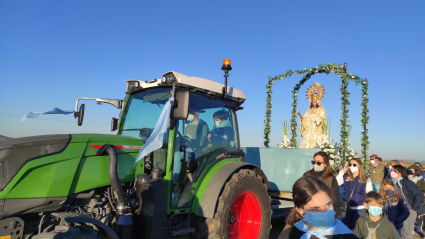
(115, 181)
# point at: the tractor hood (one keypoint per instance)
(16, 152)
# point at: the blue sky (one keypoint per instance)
(52, 52)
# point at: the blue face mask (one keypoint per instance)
(389, 192)
(375, 211)
(320, 219)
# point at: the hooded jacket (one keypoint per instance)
(384, 228)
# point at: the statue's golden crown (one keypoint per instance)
(316, 92)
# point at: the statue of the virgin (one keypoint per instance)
(313, 123)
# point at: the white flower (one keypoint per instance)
(331, 162)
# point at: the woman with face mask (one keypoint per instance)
(394, 204)
(411, 194)
(313, 215)
(322, 170)
(356, 185)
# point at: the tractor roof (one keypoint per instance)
(200, 84)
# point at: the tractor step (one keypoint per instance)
(182, 231)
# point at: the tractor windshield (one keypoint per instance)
(142, 111)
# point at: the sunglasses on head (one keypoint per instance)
(318, 163)
(354, 165)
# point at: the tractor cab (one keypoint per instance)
(202, 127)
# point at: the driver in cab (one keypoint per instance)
(196, 130)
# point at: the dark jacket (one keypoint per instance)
(221, 136)
(421, 186)
(397, 212)
(411, 193)
(333, 185)
(295, 233)
(358, 194)
(384, 228)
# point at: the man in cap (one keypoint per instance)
(376, 172)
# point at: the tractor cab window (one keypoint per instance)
(140, 116)
(208, 132)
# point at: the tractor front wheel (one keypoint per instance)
(243, 209)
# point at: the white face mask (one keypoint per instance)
(217, 123)
(318, 168)
(354, 169)
(391, 167)
(190, 117)
(372, 161)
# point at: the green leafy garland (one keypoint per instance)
(329, 68)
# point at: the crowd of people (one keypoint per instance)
(388, 203)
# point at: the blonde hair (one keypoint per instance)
(362, 175)
(390, 182)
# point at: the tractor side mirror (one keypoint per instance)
(80, 115)
(181, 105)
(114, 124)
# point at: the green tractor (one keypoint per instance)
(191, 181)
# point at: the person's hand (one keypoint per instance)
(208, 136)
(345, 167)
(225, 137)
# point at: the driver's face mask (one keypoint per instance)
(190, 117)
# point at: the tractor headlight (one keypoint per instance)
(133, 85)
(170, 78)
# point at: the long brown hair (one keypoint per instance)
(327, 172)
(362, 175)
(302, 192)
(388, 181)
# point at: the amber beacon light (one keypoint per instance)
(226, 68)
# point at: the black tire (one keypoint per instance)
(243, 181)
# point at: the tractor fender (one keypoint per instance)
(208, 204)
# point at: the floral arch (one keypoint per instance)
(329, 68)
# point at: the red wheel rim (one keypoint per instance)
(245, 217)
